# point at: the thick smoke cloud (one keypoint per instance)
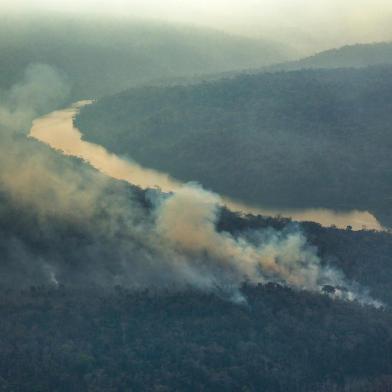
(62, 222)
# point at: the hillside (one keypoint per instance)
(266, 139)
(350, 56)
(101, 56)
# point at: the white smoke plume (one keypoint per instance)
(187, 221)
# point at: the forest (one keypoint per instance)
(62, 339)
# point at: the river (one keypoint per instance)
(57, 130)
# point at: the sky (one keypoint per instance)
(315, 22)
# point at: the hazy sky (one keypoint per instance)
(322, 22)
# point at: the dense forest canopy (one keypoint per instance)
(266, 138)
(120, 340)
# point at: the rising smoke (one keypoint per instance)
(42, 89)
(187, 220)
(61, 222)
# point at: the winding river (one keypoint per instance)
(57, 130)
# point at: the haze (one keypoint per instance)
(308, 26)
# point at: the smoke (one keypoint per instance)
(42, 89)
(62, 222)
(187, 221)
(32, 175)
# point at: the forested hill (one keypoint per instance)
(359, 55)
(100, 56)
(310, 138)
(350, 56)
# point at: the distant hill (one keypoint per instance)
(312, 138)
(359, 55)
(350, 56)
(102, 56)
